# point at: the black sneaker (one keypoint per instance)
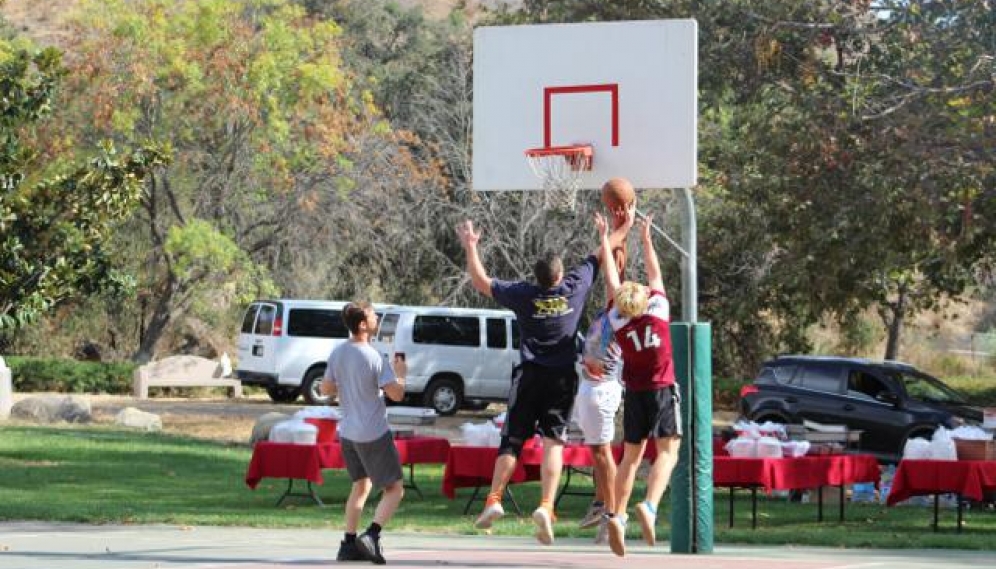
(369, 547)
(349, 552)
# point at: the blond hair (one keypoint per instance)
(631, 299)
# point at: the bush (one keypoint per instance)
(69, 376)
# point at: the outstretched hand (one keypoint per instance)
(465, 231)
(601, 225)
(646, 224)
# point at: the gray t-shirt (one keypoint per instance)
(359, 373)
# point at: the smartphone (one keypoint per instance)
(399, 355)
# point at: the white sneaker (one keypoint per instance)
(593, 517)
(617, 535)
(489, 515)
(648, 519)
(602, 535)
(544, 526)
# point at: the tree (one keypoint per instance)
(278, 149)
(55, 219)
(845, 151)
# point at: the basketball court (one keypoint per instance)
(31, 545)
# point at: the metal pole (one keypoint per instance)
(689, 262)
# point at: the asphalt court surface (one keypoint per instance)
(31, 545)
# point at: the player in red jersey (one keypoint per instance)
(640, 319)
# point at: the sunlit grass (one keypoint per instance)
(101, 475)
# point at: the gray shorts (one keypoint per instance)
(377, 460)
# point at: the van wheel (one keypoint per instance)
(311, 386)
(445, 395)
(282, 393)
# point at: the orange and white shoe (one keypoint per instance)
(544, 525)
(490, 514)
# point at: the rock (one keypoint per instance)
(261, 430)
(53, 409)
(137, 419)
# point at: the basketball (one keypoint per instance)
(617, 193)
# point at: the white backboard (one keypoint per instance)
(627, 88)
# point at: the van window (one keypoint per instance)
(447, 330)
(515, 335)
(249, 318)
(497, 335)
(317, 323)
(388, 327)
(264, 324)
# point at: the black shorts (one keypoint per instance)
(540, 400)
(651, 414)
(377, 460)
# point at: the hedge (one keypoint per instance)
(69, 376)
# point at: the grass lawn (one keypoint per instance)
(103, 475)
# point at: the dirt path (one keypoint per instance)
(230, 420)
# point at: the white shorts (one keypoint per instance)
(595, 410)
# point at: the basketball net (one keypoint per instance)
(559, 169)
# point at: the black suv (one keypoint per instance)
(888, 401)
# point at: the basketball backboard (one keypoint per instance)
(629, 89)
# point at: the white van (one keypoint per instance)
(284, 344)
(456, 357)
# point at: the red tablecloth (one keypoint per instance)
(968, 478)
(305, 462)
(795, 473)
(470, 467)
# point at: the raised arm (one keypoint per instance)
(396, 391)
(654, 279)
(478, 276)
(605, 252)
(618, 236)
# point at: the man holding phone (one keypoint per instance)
(357, 374)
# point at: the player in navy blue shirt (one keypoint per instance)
(544, 384)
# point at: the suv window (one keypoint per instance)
(926, 388)
(864, 385)
(388, 328)
(264, 324)
(497, 337)
(317, 323)
(777, 374)
(447, 330)
(820, 378)
(249, 318)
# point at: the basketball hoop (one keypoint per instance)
(559, 168)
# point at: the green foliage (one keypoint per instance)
(53, 227)
(200, 253)
(69, 376)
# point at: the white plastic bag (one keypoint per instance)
(942, 446)
(769, 447)
(742, 447)
(917, 449)
(481, 434)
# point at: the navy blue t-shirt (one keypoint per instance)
(548, 319)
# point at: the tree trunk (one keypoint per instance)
(156, 327)
(894, 321)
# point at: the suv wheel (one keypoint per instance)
(445, 395)
(282, 393)
(311, 386)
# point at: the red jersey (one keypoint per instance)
(646, 345)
